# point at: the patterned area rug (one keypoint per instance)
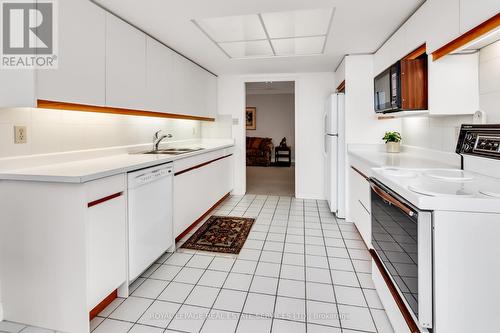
(221, 234)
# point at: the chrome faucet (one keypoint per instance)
(158, 139)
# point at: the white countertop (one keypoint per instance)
(384, 167)
(409, 157)
(88, 169)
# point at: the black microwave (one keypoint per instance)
(388, 90)
(402, 87)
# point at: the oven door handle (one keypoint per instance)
(390, 199)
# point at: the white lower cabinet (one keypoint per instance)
(198, 189)
(64, 254)
(360, 204)
(106, 242)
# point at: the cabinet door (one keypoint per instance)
(80, 76)
(106, 227)
(211, 95)
(360, 205)
(196, 191)
(454, 85)
(195, 89)
(159, 77)
(106, 239)
(125, 65)
(473, 13)
(443, 17)
(18, 88)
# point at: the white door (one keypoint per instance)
(331, 148)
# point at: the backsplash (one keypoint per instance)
(438, 133)
(52, 131)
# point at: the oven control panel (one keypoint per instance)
(479, 140)
(488, 144)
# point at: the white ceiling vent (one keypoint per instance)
(264, 35)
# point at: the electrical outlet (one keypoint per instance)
(20, 134)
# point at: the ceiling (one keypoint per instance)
(270, 88)
(358, 26)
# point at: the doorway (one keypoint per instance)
(270, 137)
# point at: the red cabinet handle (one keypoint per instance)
(100, 201)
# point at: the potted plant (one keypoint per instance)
(392, 142)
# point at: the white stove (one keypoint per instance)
(436, 232)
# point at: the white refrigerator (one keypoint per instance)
(335, 152)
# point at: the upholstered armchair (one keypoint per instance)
(259, 151)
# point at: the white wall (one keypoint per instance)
(362, 125)
(52, 131)
(275, 117)
(489, 82)
(311, 91)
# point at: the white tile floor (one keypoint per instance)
(300, 270)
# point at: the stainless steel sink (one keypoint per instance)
(172, 151)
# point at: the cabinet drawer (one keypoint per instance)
(105, 187)
(364, 223)
(361, 188)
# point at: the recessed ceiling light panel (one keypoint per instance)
(290, 33)
(298, 46)
(250, 49)
(300, 23)
(233, 28)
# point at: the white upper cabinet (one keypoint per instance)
(211, 95)
(190, 91)
(159, 77)
(18, 88)
(80, 76)
(474, 12)
(443, 19)
(125, 65)
(454, 85)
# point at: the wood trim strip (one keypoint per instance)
(100, 201)
(397, 298)
(200, 165)
(416, 53)
(385, 117)
(54, 105)
(469, 36)
(101, 306)
(201, 218)
(360, 173)
(341, 87)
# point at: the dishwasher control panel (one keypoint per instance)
(149, 175)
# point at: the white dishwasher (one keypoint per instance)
(150, 225)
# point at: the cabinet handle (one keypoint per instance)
(359, 172)
(100, 201)
(200, 165)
